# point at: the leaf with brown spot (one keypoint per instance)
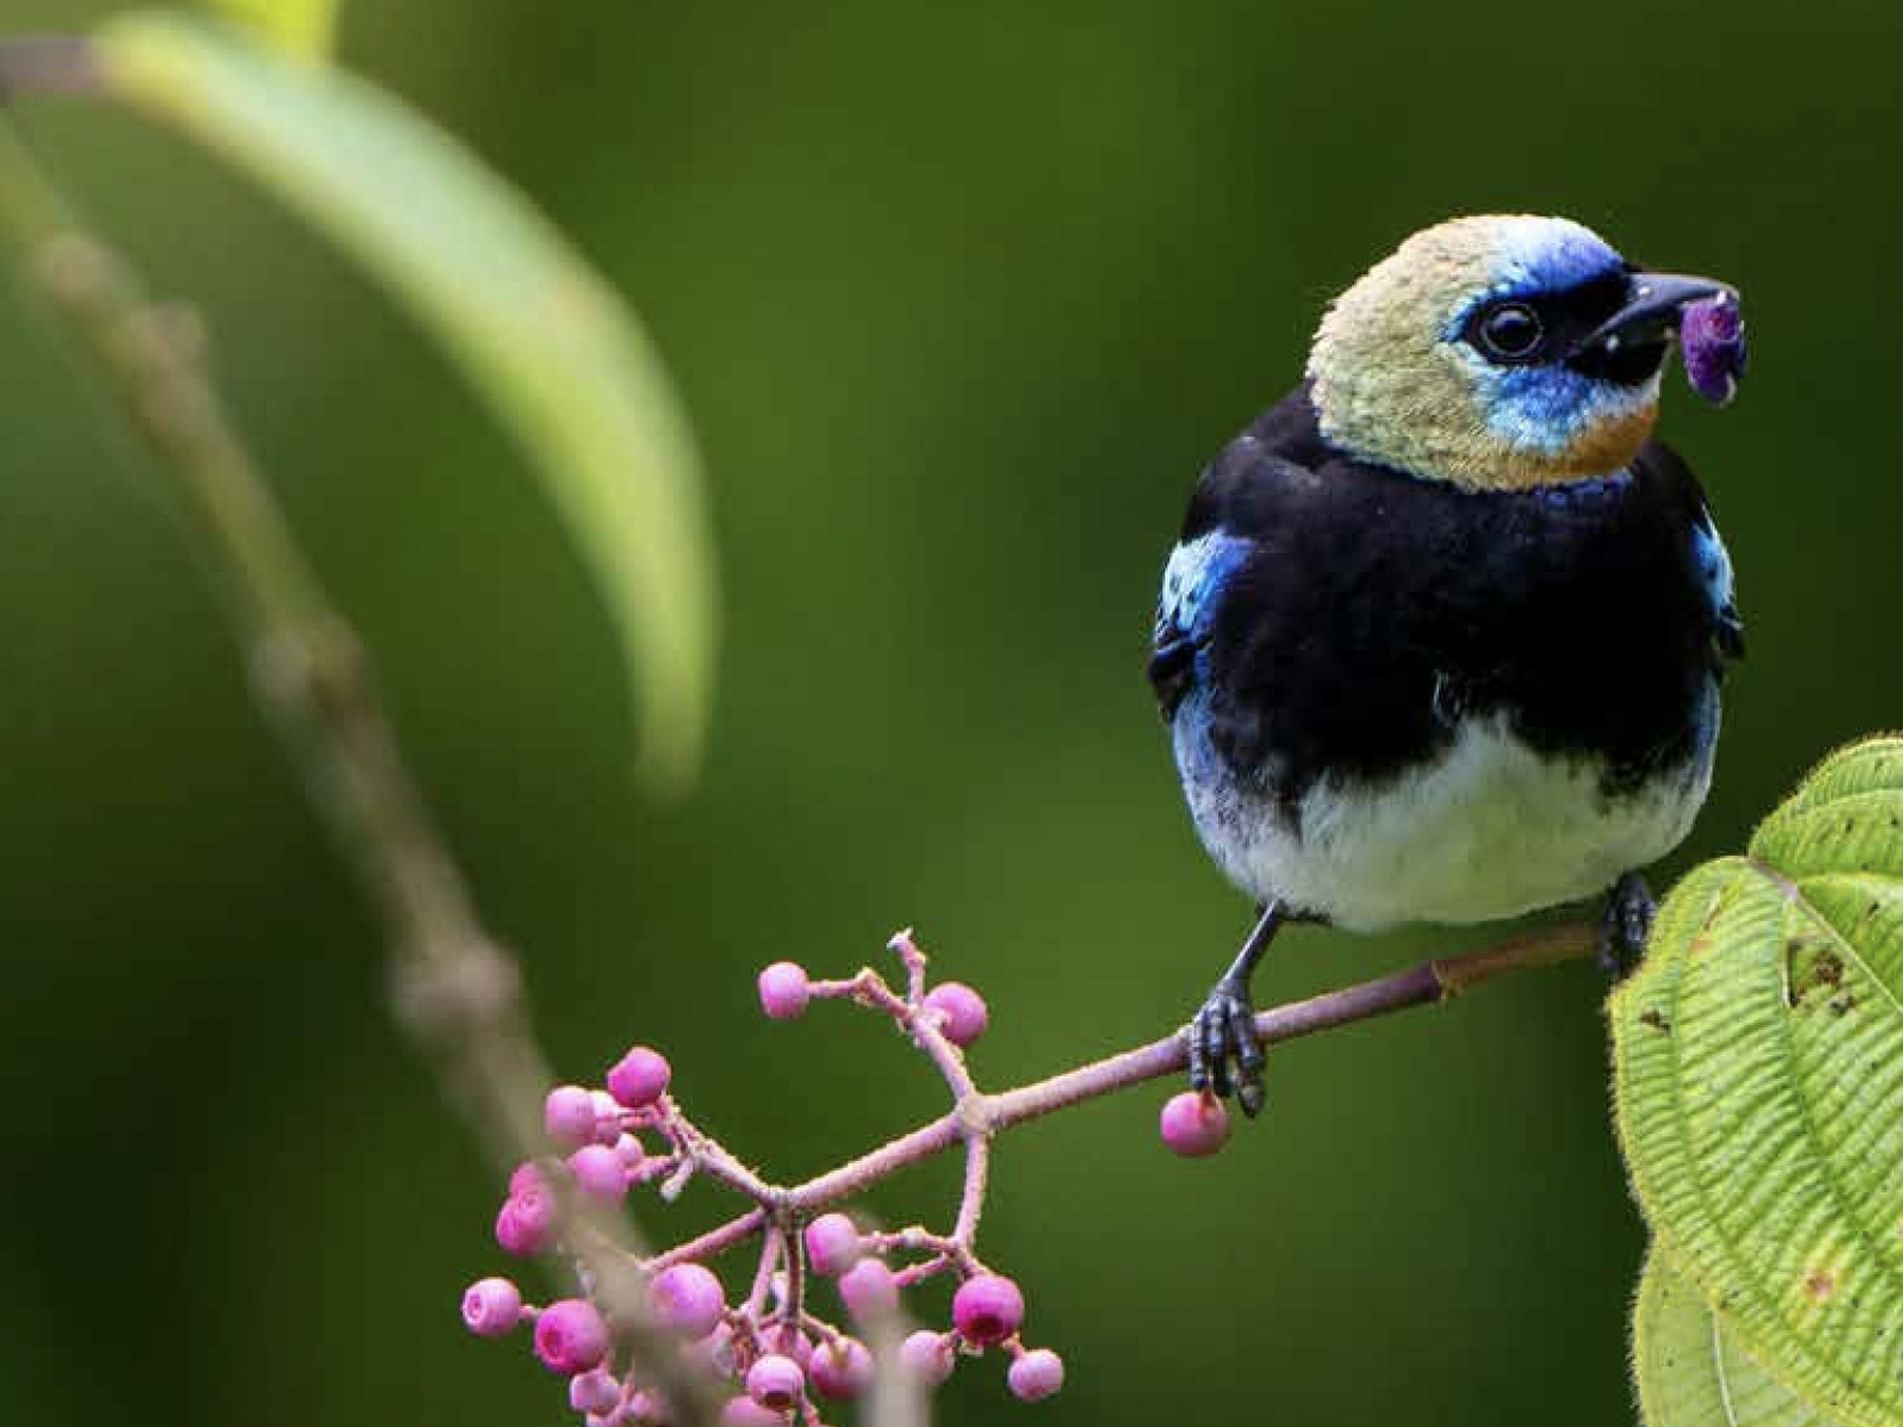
(1690, 1369)
(1765, 1140)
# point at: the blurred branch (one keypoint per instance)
(456, 990)
(47, 64)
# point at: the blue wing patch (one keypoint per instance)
(1193, 582)
(1714, 568)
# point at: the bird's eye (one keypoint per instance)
(1509, 331)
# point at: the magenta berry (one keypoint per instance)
(607, 1117)
(962, 1011)
(927, 1356)
(841, 1369)
(640, 1077)
(775, 1382)
(745, 1412)
(647, 1407)
(1194, 1123)
(568, 1114)
(1711, 339)
(784, 990)
(688, 1298)
(594, 1392)
(987, 1309)
(526, 1224)
(832, 1245)
(526, 1176)
(492, 1307)
(796, 1346)
(599, 1172)
(1035, 1375)
(629, 1151)
(712, 1354)
(570, 1336)
(868, 1290)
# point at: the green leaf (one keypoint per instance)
(1759, 1086)
(1689, 1369)
(560, 359)
(306, 28)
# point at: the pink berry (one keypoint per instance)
(526, 1176)
(987, 1309)
(832, 1245)
(745, 1412)
(607, 1117)
(784, 991)
(796, 1346)
(1194, 1123)
(962, 1011)
(640, 1077)
(570, 1336)
(569, 1116)
(775, 1382)
(648, 1407)
(713, 1354)
(1035, 1375)
(927, 1356)
(594, 1392)
(629, 1151)
(492, 1307)
(599, 1172)
(688, 1298)
(526, 1224)
(841, 1368)
(868, 1290)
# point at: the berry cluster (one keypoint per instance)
(783, 1360)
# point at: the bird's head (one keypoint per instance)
(1500, 353)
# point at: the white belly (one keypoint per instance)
(1490, 829)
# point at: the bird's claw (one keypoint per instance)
(1224, 1054)
(1626, 925)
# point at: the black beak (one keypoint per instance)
(1652, 309)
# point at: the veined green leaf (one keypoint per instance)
(1689, 1370)
(557, 355)
(1759, 1087)
(307, 28)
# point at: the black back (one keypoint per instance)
(1374, 609)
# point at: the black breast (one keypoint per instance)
(1373, 611)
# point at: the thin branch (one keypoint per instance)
(978, 1118)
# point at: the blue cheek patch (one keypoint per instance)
(1544, 408)
(1547, 408)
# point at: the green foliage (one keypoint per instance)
(306, 28)
(1689, 1369)
(559, 357)
(1759, 1087)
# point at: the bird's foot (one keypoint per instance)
(1224, 1055)
(1626, 924)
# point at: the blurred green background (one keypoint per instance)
(961, 298)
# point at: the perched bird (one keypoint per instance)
(1443, 635)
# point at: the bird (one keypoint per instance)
(1441, 640)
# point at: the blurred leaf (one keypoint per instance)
(559, 357)
(1759, 1086)
(307, 28)
(1690, 1372)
